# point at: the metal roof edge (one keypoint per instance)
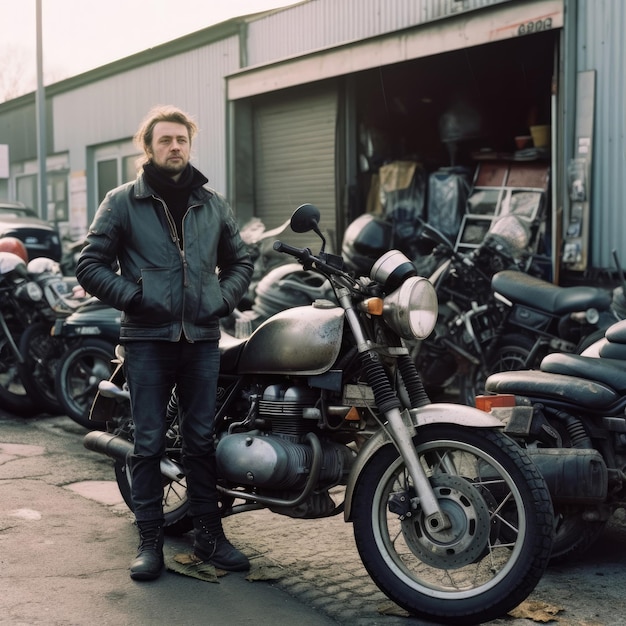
(202, 37)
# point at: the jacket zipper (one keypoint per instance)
(181, 250)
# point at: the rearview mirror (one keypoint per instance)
(305, 218)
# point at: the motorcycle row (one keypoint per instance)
(327, 379)
(56, 343)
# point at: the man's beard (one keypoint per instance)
(171, 169)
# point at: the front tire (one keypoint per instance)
(497, 547)
(41, 352)
(13, 395)
(80, 371)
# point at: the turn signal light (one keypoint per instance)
(373, 306)
(486, 403)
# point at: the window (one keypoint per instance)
(58, 210)
(27, 190)
(112, 172)
(107, 177)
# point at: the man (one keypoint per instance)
(182, 266)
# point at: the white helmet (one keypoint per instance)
(42, 265)
(10, 262)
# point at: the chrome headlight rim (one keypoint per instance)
(411, 310)
(29, 290)
(392, 269)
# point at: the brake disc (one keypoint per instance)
(466, 538)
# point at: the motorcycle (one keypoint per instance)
(451, 519)
(549, 318)
(67, 346)
(569, 415)
(61, 296)
(86, 341)
(494, 315)
(28, 295)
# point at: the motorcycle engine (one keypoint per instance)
(277, 459)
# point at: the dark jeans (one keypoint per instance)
(152, 370)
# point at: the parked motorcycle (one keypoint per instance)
(493, 314)
(40, 352)
(86, 341)
(14, 291)
(29, 293)
(549, 318)
(451, 519)
(569, 415)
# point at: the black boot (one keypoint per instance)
(211, 546)
(148, 564)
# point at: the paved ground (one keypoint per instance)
(66, 537)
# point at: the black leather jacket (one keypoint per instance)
(165, 292)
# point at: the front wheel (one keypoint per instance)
(80, 371)
(13, 395)
(501, 526)
(41, 352)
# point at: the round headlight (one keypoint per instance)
(29, 291)
(392, 269)
(411, 310)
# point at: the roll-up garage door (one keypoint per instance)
(294, 158)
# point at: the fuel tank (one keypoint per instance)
(303, 340)
(93, 319)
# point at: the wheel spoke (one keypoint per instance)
(482, 504)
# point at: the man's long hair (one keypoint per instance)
(161, 113)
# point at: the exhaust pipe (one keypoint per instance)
(572, 474)
(118, 448)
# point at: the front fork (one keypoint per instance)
(400, 432)
(402, 436)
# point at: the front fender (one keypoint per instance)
(438, 413)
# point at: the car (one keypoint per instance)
(40, 237)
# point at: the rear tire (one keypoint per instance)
(573, 535)
(175, 503)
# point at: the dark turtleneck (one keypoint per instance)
(174, 193)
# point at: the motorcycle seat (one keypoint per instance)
(611, 372)
(580, 392)
(616, 333)
(230, 351)
(541, 295)
(609, 350)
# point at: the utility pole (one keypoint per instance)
(41, 120)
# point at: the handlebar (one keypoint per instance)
(300, 253)
(324, 263)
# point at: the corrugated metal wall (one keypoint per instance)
(322, 23)
(601, 46)
(112, 109)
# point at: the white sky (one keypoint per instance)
(79, 35)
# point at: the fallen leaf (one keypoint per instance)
(191, 565)
(536, 611)
(265, 572)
